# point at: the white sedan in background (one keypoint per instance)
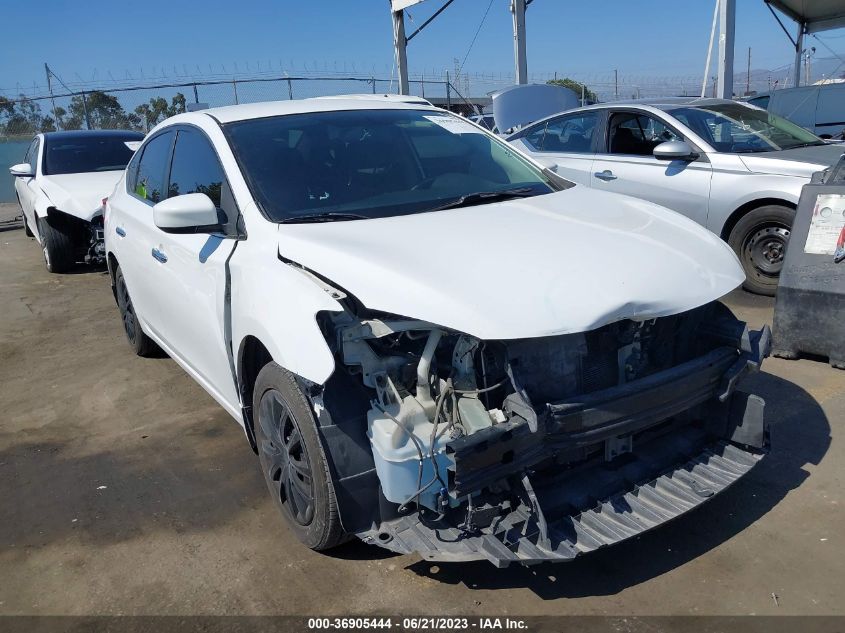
(61, 185)
(731, 167)
(431, 342)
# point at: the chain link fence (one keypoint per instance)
(142, 107)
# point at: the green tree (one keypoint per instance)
(575, 87)
(22, 116)
(158, 109)
(104, 111)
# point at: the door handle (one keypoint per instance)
(605, 175)
(158, 255)
(119, 230)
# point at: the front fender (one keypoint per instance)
(42, 204)
(736, 194)
(278, 304)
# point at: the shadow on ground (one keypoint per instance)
(800, 436)
(178, 478)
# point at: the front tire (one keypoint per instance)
(292, 459)
(759, 239)
(56, 246)
(142, 344)
(27, 231)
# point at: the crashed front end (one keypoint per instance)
(545, 448)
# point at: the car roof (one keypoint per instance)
(68, 135)
(243, 112)
(662, 103)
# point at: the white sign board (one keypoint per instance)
(398, 5)
(826, 224)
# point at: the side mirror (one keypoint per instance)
(21, 170)
(182, 213)
(674, 150)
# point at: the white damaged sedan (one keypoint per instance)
(61, 185)
(433, 343)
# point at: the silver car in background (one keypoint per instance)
(731, 167)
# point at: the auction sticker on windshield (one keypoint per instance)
(454, 124)
(826, 224)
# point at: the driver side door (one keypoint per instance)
(625, 164)
(25, 187)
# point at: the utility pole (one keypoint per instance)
(799, 49)
(748, 74)
(52, 98)
(727, 31)
(518, 11)
(399, 44)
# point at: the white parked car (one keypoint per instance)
(731, 167)
(60, 187)
(430, 342)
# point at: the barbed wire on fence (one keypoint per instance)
(119, 104)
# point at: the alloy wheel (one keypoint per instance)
(284, 459)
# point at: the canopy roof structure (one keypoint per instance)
(815, 15)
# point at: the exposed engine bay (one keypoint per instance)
(478, 445)
(86, 236)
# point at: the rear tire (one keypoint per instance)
(142, 344)
(292, 459)
(56, 245)
(759, 239)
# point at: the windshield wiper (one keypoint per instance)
(810, 144)
(482, 197)
(325, 216)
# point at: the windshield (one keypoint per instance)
(737, 128)
(376, 163)
(86, 153)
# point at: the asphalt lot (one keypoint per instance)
(126, 490)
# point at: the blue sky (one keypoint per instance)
(100, 40)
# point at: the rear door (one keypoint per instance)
(189, 270)
(625, 164)
(131, 227)
(566, 144)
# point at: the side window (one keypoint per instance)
(195, 168)
(572, 133)
(132, 172)
(638, 134)
(534, 138)
(760, 102)
(32, 155)
(152, 169)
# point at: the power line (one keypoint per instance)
(474, 37)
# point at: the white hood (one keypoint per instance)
(559, 263)
(80, 195)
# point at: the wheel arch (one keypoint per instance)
(112, 265)
(253, 356)
(750, 206)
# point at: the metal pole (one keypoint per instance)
(710, 50)
(799, 48)
(52, 99)
(518, 10)
(290, 90)
(616, 84)
(448, 92)
(85, 111)
(727, 32)
(748, 74)
(399, 44)
(235, 89)
(196, 95)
